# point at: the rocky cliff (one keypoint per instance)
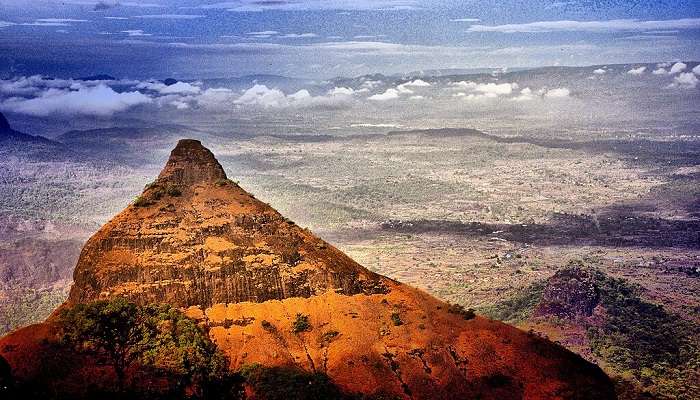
(197, 240)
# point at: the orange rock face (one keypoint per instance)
(197, 240)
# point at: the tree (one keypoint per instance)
(179, 347)
(156, 336)
(114, 329)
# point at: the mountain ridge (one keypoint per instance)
(196, 240)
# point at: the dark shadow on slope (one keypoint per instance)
(612, 230)
(643, 151)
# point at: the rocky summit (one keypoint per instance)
(196, 240)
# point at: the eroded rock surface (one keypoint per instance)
(197, 240)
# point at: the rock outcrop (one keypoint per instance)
(197, 240)
(570, 294)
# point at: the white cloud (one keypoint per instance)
(262, 96)
(59, 20)
(306, 35)
(487, 88)
(390, 94)
(696, 70)
(215, 98)
(599, 71)
(370, 84)
(416, 98)
(99, 100)
(637, 71)
(170, 16)
(5, 24)
(176, 88)
(557, 93)
(416, 83)
(51, 22)
(405, 88)
(677, 67)
(589, 26)
(480, 97)
(660, 71)
(525, 95)
(465, 20)
(262, 34)
(341, 91)
(685, 80)
(31, 85)
(135, 32)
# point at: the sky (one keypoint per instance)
(322, 39)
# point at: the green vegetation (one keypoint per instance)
(396, 319)
(301, 324)
(518, 308)
(173, 191)
(223, 182)
(157, 337)
(328, 337)
(466, 313)
(141, 201)
(656, 350)
(649, 350)
(23, 307)
(289, 384)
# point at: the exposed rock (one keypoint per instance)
(197, 240)
(571, 293)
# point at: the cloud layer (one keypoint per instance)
(99, 100)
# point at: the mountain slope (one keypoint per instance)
(271, 293)
(28, 147)
(652, 351)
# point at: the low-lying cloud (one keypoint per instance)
(100, 100)
(265, 97)
(389, 94)
(637, 71)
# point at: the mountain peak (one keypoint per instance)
(272, 293)
(215, 244)
(191, 163)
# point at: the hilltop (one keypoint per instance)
(271, 293)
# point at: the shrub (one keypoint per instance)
(280, 383)
(155, 336)
(141, 201)
(396, 319)
(267, 325)
(222, 182)
(466, 313)
(173, 191)
(157, 193)
(301, 324)
(327, 337)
